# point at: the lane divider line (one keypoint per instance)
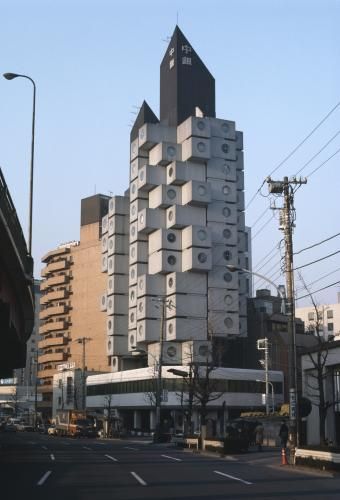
(87, 448)
(44, 447)
(52, 456)
(43, 479)
(172, 458)
(139, 479)
(129, 448)
(112, 458)
(232, 477)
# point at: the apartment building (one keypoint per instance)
(70, 314)
(327, 317)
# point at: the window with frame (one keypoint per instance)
(310, 316)
(330, 327)
(330, 314)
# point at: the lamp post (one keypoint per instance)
(11, 76)
(184, 374)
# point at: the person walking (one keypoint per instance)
(283, 434)
(259, 436)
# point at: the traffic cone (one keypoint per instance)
(283, 457)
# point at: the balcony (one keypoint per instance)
(53, 357)
(52, 311)
(45, 388)
(46, 373)
(50, 296)
(52, 341)
(60, 279)
(55, 253)
(53, 326)
(54, 267)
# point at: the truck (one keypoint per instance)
(74, 423)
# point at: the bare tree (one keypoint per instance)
(315, 383)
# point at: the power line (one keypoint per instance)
(318, 260)
(295, 149)
(323, 163)
(319, 279)
(276, 247)
(316, 154)
(316, 244)
(320, 289)
(262, 227)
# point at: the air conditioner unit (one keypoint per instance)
(164, 153)
(223, 191)
(165, 239)
(163, 196)
(220, 277)
(186, 328)
(196, 259)
(117, 325)
(218, 211)
(193, 283)
(150, 284)
(178, 173)
(222, 128)
(119, 205)
(196, 149)
(220, 299)
(178, 217)
(223, 233)
(193, 126)
(219, 168)
(148, 330)
(165, 261)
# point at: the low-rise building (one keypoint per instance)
(327, 316)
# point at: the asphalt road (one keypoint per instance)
(34, 466)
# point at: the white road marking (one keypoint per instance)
(232, 459)
(112, 458)
(139, 479)
(102, 444)
(172, 458)
(87, 448)
(128, 448)
(43, 479)
(232, 477)
(44, 447)
(52, 456)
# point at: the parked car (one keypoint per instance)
(52, 431)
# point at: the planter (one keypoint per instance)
(324, 460)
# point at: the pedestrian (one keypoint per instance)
(259, 436)
(283, 434)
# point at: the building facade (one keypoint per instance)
(328, 319)
(166, 242)
(72, 326)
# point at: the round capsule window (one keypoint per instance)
(109, 324)
(226, 190)
(114, 361)
(171, 151)
(171, 282)
(171, 193)
(170, 215)
(227, 255)
(171, 351)
(226, 233)
(140, 329)
(226, 212)
(110, 244)
(171, 260)
(225, 127)
(111, 205)
(133, 252)
(111, 224)
(201, 147)
(109, 345)
(132, 295)
(171, 237)
(133, 188)
(110, 284)
(132, 339)
(103, 300)
(110, 304)
(225, 148)
(202, 257)
(200, 125)
(141, 284)
(141, 175)
(142, 133)
(110, 263)
(228, 300)
(201, 235)
(170, 328)
(228, 322)
(132, 317)
(227, 277)
(140, 307)
(141, 218)
(202, 190)
(133, 230)
(133, 209)
(132, 274)
(171, 172)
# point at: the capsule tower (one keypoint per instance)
(181, 222)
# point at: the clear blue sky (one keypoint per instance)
(276, 65)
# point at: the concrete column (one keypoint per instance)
(137, 421)
(152, 420)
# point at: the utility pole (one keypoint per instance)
(83, 340)
(286, 189)
(262, 345)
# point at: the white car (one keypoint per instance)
(52, 431)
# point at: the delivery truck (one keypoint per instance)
(74, 423)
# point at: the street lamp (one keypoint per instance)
(11, 76)
(272, 390)
(184, 374)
